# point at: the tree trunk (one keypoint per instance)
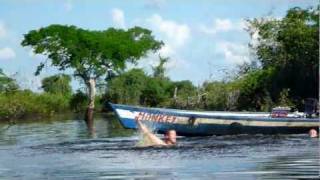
(91, 84)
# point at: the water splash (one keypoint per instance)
(144, 139)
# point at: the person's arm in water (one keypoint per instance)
(150, 135)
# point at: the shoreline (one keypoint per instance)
(54, 117)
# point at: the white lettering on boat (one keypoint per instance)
(155, 117)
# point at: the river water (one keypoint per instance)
(61, 148)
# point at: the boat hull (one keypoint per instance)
(192, 123)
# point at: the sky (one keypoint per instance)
(204, 39)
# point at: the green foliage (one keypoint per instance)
(185, 88)
(127, 88)
(284, 73)
(159, 70)
(216, 95)
(290, 48)
(156, 92)
(27, 104)
(79, 101)
(184, 91)
(20, 104)
(57, 84)
(254, 88)
(284, 99)
(7, 84)
(135, 87)
(90, 53)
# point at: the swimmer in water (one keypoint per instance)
(153, 140)
(313, 133)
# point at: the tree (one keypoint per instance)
(182, 91)
(185, 88)
(289, 47)
(127, 87)
(216, 98)
(156, 92)
(57, 84)
(7, 84)
(255, 87)
(90, 54)
(159, 70)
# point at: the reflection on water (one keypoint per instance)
(62, 149)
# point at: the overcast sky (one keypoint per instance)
(203, 38)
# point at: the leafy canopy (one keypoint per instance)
(287, 51)
(90, 53)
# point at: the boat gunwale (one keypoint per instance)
(185, 113)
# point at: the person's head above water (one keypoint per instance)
(313, 133)
(170, 137)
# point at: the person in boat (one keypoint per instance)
(170, 137)
(313, 133)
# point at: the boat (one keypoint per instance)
(203, 123)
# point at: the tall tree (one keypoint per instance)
(57, 84)
(289, 48)
(90, 54)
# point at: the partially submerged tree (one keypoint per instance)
(90, 54)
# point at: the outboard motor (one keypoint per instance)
(310, 107)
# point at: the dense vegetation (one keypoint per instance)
(16, 103)
(283, 71)
(287, 52)
(91, 55)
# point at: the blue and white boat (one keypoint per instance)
(197, 123)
